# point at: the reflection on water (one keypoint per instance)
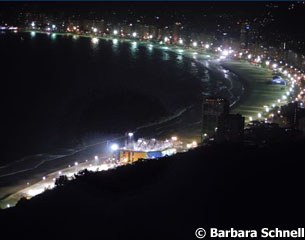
(53, 36)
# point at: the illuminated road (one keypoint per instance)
(48, 181)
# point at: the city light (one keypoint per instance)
(94, 40)
(174, 138)
(95, 30)
(114, 147)
(267, 63)
(76, 163)
(225, 53)
(130, 134)
(180, 41)
(195, 44)
(207, 46)
(134, 34)
(96, 157)
(33, 24)
(115, 32)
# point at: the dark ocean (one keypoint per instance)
(60, 92)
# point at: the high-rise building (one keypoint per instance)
(230, 127)
(244, 35)
(212, 108)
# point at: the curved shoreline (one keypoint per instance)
(190, 54)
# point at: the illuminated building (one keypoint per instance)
(212, 108)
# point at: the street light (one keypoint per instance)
(195, 44)
(174, 138)
(115, 32)
(134, 34)
(130, 134)
(114, 147)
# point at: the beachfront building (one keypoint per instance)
(212, 109)
(230, 128)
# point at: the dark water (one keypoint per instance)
(59, 91)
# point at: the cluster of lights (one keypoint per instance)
(286, 70)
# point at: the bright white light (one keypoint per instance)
(267, 63)
(7, 205)
(195, 44)
(130, 134)
(33, 24)
(225, 53)
(43, 178)
(59, 172)
(259, 115)
(114, 147)
(250, 119)
(76, 163)
(278, 100)
(274, 65)
(34, 192)
(95, 30)
(33, 34)
(115, 32)
(249, 56)
(134, 34)
(53, 26)
(94, 40)
(166, 39)
(150, 36)
(284, 97)
(207, 46)
(180, 41)
(96, 157)
(174, 138)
